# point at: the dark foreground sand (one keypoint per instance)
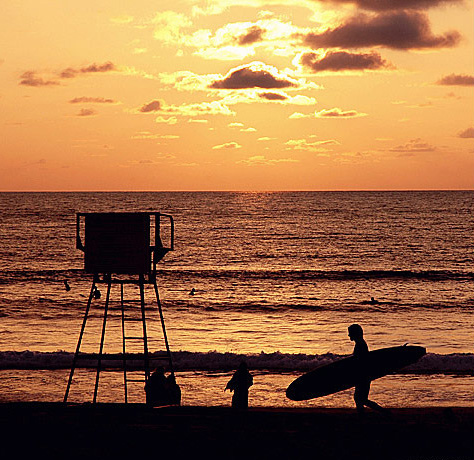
(52, 430)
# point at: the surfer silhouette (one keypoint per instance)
(240, 383)
(362, 389)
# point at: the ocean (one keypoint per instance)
(278, 278)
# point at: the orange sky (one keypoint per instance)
(237, 95)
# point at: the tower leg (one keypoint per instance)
(146, 361)
(157, 295)
(99, 360)
(78, 347)
(122, 306)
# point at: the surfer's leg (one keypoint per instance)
(373, 405)
(360, 397)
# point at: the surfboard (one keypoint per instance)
(347, 372)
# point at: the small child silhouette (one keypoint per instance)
(240, 383)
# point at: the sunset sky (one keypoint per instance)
(236, 95)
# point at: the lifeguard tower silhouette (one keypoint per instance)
(118, 251)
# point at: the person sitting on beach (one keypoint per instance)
(240, 383)
(155, 388)
(362, 388)
(161, 390)
(173, 392)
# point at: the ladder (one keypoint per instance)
(126, 318)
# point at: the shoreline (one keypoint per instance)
(119, 430)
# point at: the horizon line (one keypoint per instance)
(240, 191)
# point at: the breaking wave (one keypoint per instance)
(212, 361)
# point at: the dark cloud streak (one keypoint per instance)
(253, 35)
(391, 5)
(399, 30)
(414, 146)
(30, 78)
(457, 80)
(467, 134)
(152, 106)
(337, 61)
(251, 77)
(91, 100)
(93, 68)
(273, 96)
(86, 113)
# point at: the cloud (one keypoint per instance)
(397, 30)
(225, 53)
(168, 121)
(199, 109)
(467, 133)
(298, 115)
(92, 100)
(148, 135)
(260, 160)
(70, 72)
(227, 146)
(338, 113)
(169, 26)
(414, 146)
(246, 77)
(273, 96)
(456, 80)
(385, 5)
(254, 75)
(253, 35)
(30, 78)
(238, 40)
(153, 106)
(159, 159)
(86, 113)
(124, 19)
(185, 80)
(303, 144)
(250, 96)
(337, 61)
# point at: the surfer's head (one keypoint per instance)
(355, 332)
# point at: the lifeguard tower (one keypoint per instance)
(122, 249)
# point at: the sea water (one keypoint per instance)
(278, 278)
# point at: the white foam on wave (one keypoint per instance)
(431, 363)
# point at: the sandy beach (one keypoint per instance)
(116, 430)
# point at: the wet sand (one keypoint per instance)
(89, 431)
